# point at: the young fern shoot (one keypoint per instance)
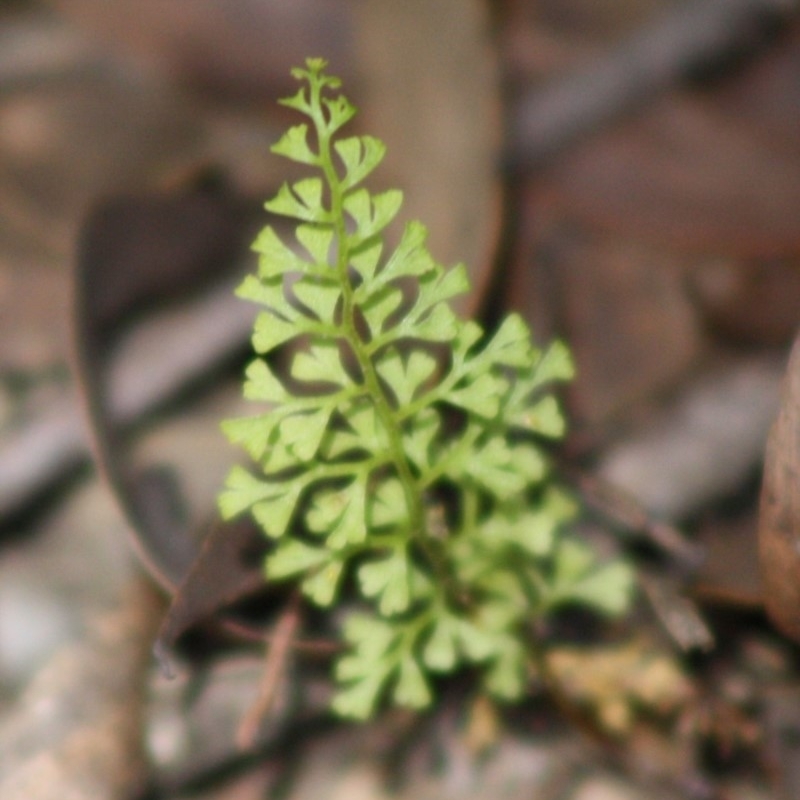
(397, 445)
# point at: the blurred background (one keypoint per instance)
(625, 173)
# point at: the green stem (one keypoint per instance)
(412, 493)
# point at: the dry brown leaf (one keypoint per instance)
(714, 171)
(620, 304)
(690, 177)
(618, 682)
(751, 302)
(779, 523)
(423, 72)
(430, 91)
(226, 568)
(137, 252)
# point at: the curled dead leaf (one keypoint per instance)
(779, 522)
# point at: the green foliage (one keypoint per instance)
(398, 447)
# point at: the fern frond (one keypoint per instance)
(449, 530)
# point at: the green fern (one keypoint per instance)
(397, 446)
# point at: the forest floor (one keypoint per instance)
(625, 175)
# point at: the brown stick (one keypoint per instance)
(274, 668)
(656, 58)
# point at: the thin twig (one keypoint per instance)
(621, 508)
(274, 668)
(656, 58)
